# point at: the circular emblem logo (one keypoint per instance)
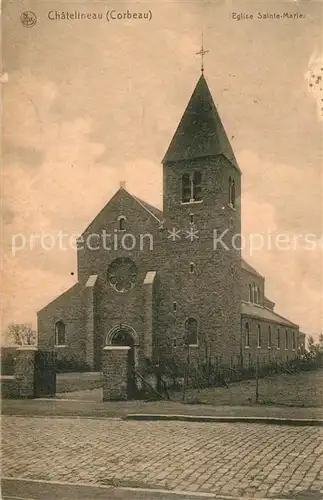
(28, 19)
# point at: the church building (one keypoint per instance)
(164, 282)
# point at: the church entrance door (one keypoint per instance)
(123, 337)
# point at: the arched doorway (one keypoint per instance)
(124, 335)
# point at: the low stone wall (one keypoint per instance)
(77, 381)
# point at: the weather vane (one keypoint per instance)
(201, 53)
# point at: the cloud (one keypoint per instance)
(28, 288)
(63, 193)
(32, 100)
(272, 202)
(296, 193)
(134, 172)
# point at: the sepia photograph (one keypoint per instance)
(162, 250)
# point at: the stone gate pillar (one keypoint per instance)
(115, 367)
(25, 370)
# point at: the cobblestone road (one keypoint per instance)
(232, 459)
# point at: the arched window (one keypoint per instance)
(197, 186)
(259, 335)
(232, 192)
(192, 187)
(122, 223)
(258, 295)
(60, 333)
(286, 339)
(191, 331)
(192, 268)
(250, 293)
(278, 338)
(247, 335)
(254, 293)
(269, 336)
(186, 188)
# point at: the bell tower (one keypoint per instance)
(199, 162)
(201, 184)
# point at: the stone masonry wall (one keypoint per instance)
(211, 294)
(276, 351)
(115, 372)
(247, 279)
(130, 307)
(69, 308)
(24, 371)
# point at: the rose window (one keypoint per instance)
(122, 274)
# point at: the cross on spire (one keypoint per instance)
(201, 53)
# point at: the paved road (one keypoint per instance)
(24, 490)
(80, 404)
(229, 459)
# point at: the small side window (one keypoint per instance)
(232, 192)
(197, 186)
(122, 223)
(186, 188)
(60, 333)
(259, 335)
(191, 336)
(247, 335)
(250, 293)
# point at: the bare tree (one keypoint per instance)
(311, 345)
(310, 340)
(21, 334)
(321, 338)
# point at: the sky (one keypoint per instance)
(88, 103)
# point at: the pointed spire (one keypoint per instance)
(200, 132)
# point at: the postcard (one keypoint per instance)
(162, 249)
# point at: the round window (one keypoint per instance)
(122, 274)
